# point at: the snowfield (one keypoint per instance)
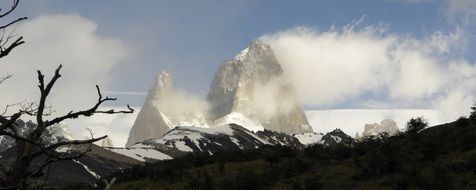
(140, 153)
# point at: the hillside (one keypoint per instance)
(440, 157)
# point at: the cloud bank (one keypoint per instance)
(70, 40)
(352, 63)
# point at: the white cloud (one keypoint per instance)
(70, 40)
(61, 39)
(342, 65)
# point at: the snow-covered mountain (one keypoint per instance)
(253, 84)
(163, 109)
(185, 139)
(388, 126)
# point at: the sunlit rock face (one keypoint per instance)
(253, 84)
(164, 109)
(388, 126)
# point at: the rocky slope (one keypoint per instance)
(253, 84)
(334, 137)
(87, 171)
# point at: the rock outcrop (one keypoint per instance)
(388, 126)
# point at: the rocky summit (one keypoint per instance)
(253, 84)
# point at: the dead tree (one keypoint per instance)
(32, 148)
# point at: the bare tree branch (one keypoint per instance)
(13, 22)
(9, 106)
(46, 150)
(5, 51)
(14, 6)
(91, 111)
(3, 78)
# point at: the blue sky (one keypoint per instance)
(191, 39)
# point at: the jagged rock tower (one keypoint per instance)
(253, 84)
(157, 116)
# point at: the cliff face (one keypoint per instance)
(253, 84)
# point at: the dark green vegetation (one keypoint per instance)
(440, 157)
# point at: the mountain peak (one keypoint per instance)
(337, 131)
(336, 136)
(253, 85)
(259, 44)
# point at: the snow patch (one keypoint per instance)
(180, 145)
(236, 142)
(87, 169)
(241, 120)
(309, 138)
(241, 56)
